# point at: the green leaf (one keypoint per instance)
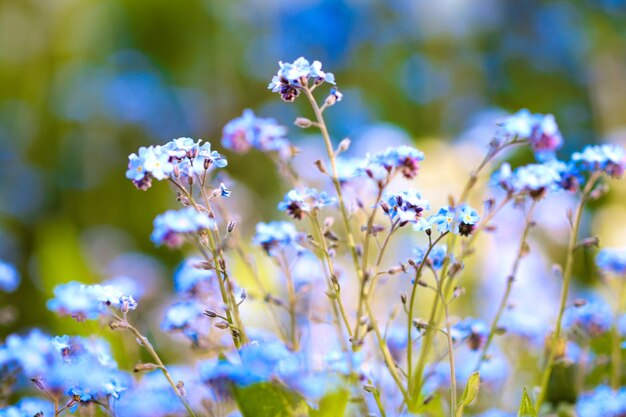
(269, 400)
(332, 405)
(526, 408)
(469, 394)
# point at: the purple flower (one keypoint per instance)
(171, 227)
(248, 131)
(405, 206)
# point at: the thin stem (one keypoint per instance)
(509, 285)
(333, 277)
(450, 349)
(428, 332)
(293, 329)
(567, 278)
(344, 212)
(146, 344)
(393, 370)
(379, 403)
(616, 345)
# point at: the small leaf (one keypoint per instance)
(526, 409)
(332, 404)
(269, 400)
(469, 394)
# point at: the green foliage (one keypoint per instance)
(270, 400)
(469, 394)
(332, 405)
(527, 408)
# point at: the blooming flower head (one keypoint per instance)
(292, 77)
(534, 180)
(193, 278)
(607, 158)
(593, 318)
(9, 277)
(405, 206)
(540, 130)
(88, 301)
(401, 159)
(612, 261)
(460, 220)
(179, 158)
(277, 236)
(249, 131)
(297, 202)
(473, 331)
(173, 226)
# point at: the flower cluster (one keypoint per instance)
(9, 277)
(534, 180)
(277, 236)
(405, 206)
(401, 159)
(179, 159)
(541, 131)
(89, 301)
(172, 227)
(473, 331)
(249, 131)
(298, 202)
(435, 259)
(591, 318)
(292, 77)
(459, 220)
(602, 402)
(609, 159)
(612, 261)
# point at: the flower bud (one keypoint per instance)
(145, 367)
(303, 122)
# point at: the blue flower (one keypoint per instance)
(473, 331)
(402, 159)
(292, 77)
(593, 318)
(298, 202)
(9, 277)
(224, 191)
(191, 278)
(540, 130)
(180, 158)
(277, 236)
(436, 257)
(88, 301)
(609, 159)
(183, 316)
(405, 206)
(171, 227)
(458, 220)
(602, 402)
(535, 180)
(612, 261)
(28, 407)
(248, 131)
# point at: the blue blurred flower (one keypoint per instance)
(540, 130)
(612, 261)
(183, 316)
(277, 236)
(535, 180)
(9, 277)
(592, 318)
(298, 202)
(602, 402)
(192, 278)
(435, 258)
(248, 131)
(400, 159)
(473, 331)
(88, 301)
(171, 227)
(607, 158)
(28, 407)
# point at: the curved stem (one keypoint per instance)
(146, 344)
(509, 285)
(567, 278)
(616, 345)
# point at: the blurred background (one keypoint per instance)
(83, 83)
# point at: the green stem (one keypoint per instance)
(450, 352)
(146, 344)
(567, 278)
(509, 285)
(293, 329)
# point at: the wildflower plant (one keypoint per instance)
(324, 262)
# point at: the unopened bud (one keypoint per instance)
(222, 325)
(320, 165)
(369, 388)
(580, 302)
(343, 145)
(589, 242)
(181, 388)
(145, 367)
(303, 122)
(243, 294)
(403, 298)
(114, 325)
(231, 226)
(38, 381)
(210, 313)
